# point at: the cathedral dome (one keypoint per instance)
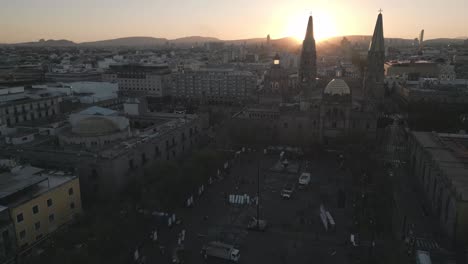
(337, 87)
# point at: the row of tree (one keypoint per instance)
(167, 184)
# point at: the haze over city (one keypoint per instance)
(89, 20)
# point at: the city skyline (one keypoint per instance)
(86, 20)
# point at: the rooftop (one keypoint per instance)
(450, 153)
(23, 183)
(97, 110)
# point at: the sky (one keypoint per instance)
(89, 20)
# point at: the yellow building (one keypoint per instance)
(39, 201)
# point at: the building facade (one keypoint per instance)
(140, 79)
(439, 164)
(39, 202)
(327, 112)
(108, 149)
(18, 105)
(214, 85)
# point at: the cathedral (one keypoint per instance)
(324, 113)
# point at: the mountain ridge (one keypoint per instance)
(141, 41)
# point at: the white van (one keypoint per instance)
(304, 179)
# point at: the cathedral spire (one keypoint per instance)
(310, 29)
(308, 63)
(374, 80)
(377, 43)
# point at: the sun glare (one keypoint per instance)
(324, 26)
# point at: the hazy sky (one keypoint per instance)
(87, 20)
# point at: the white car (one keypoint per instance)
(287, 191)
(304, 179)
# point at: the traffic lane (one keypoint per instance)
(292, 223)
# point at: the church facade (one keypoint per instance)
(326, 111)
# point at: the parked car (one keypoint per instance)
(287, 191)
(257, 225)
(304, 180)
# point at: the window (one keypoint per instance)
(285, 125)
(130, 164)
(334, 124)
(37, 225)
(35, 209)
(22, 234)
(38, 237)
(72, 205)
(19, 218)
(51, 218)
(70, 191)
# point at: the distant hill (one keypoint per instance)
(194, 39)
(282, 42)
(127, 42)
(48, 43)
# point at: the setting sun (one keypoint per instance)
(324, 26)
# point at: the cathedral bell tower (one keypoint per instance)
(308, 65)
(374, 78)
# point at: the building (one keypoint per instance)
(413, 70)
(374, 76)
(8, 239)
(73, 76)
(439, 163)
(452, 93)
(140, 79)
(327, 111)
(461, 61)
(277, 85)
(214, 85)
(19, 105)
(84, 92)
(107, 149)
(21, 74)
(308, 63)
(38, 202)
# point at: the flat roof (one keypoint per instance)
(450, 152)
(22, 177)
(19, 179)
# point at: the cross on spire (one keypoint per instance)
(380, 10)
(310, 13)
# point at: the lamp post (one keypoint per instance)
(258, 195)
